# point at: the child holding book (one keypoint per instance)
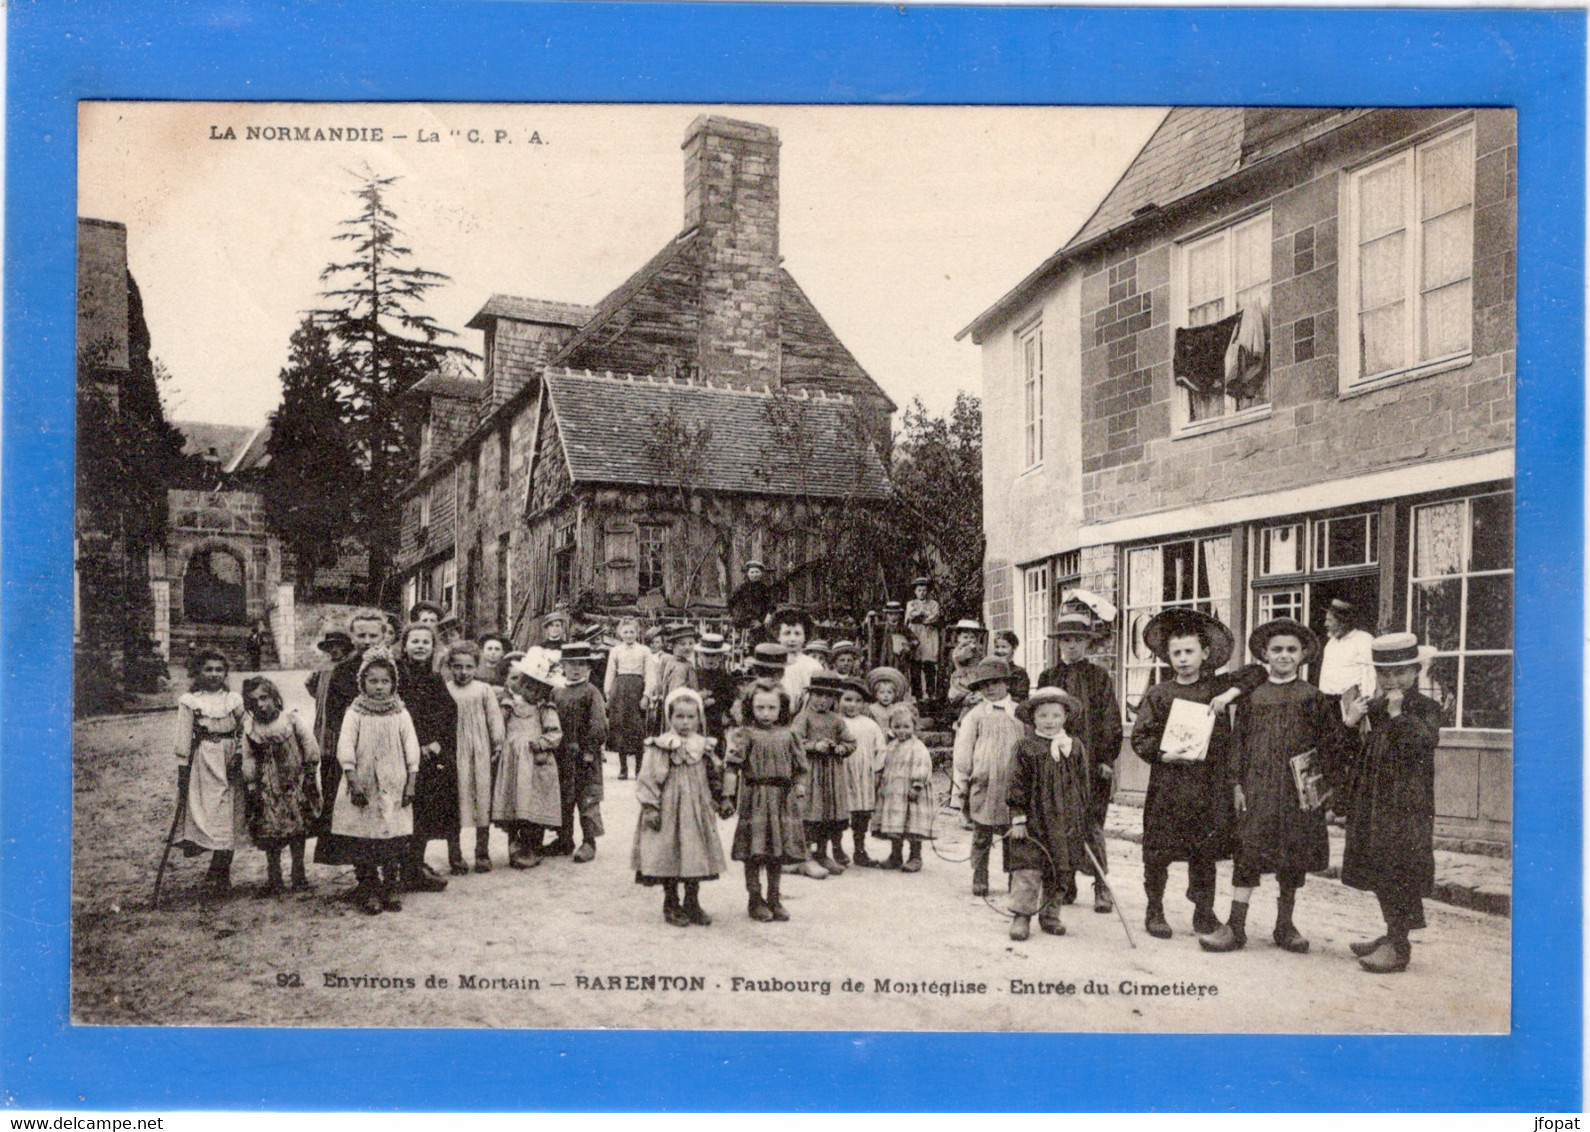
(905, 792)
(767, 776)
(527, 798)
(281, 767)
(680, 788)
(1391, 798)
(1187, 811)
(479, 748)
(827, 743)
(373, 816)
(862, 765)
(1279, 722)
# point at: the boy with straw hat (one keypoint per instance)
(1391, 797)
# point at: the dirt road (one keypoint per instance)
(583, 946)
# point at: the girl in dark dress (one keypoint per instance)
(1282, 719)
(1050, 803)
(435, 717)
(766, 775)
(1391, 798)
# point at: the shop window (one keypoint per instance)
(1300, 566)
(1035, 618)
(1191, 573)
(1461, 604)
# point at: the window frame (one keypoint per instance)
(660, 566)
(1036, 580)
(1462, 653)
(1030, 383)
(1182, 422)
(1217, 604)
(1349, 344)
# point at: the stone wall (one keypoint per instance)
(1133, 460)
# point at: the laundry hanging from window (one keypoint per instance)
(1247, 362)
(1200, 357)
(1229, 356)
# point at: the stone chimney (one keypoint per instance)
(731, 201)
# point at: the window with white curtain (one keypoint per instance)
(1408, 262)
(1192, 573)
(1035, 618)
(1461, 604)
(1029, 362)
(1223, 273)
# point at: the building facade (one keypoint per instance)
(1361, 449)
(595, 465)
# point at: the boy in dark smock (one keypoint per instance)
(1098, 724)
(1283, 718)
(1051, 826)
(583, 714)
(1187, 810)
(1391, 798)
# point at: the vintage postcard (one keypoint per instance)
(732, 567)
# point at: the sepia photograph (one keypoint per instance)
(794, 567)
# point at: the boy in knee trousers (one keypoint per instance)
(985, 752)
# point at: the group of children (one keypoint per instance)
(411, 744)
(1247, 774)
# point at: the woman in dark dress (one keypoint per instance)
(435, 718)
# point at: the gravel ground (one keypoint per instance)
(583, 946)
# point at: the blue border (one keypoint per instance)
(253, 49)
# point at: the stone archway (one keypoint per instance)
(215, 585)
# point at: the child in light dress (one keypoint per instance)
(480, 736)
(861, 766)
(379, 753)
(905, 792)
(209, 770)
(680, 787)
(526, 800)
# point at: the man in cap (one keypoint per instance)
(1391, 797)
(752, 601)
(1346, 660)
(1099, 722)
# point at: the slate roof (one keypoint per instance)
(601, 418)
(227, 441)
(1194, 147)
(462, 388)
(531, 310)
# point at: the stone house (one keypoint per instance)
(623, 457)
(1369, 457)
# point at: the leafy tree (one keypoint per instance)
(312, 461)
(383, 343)
(938, 496)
